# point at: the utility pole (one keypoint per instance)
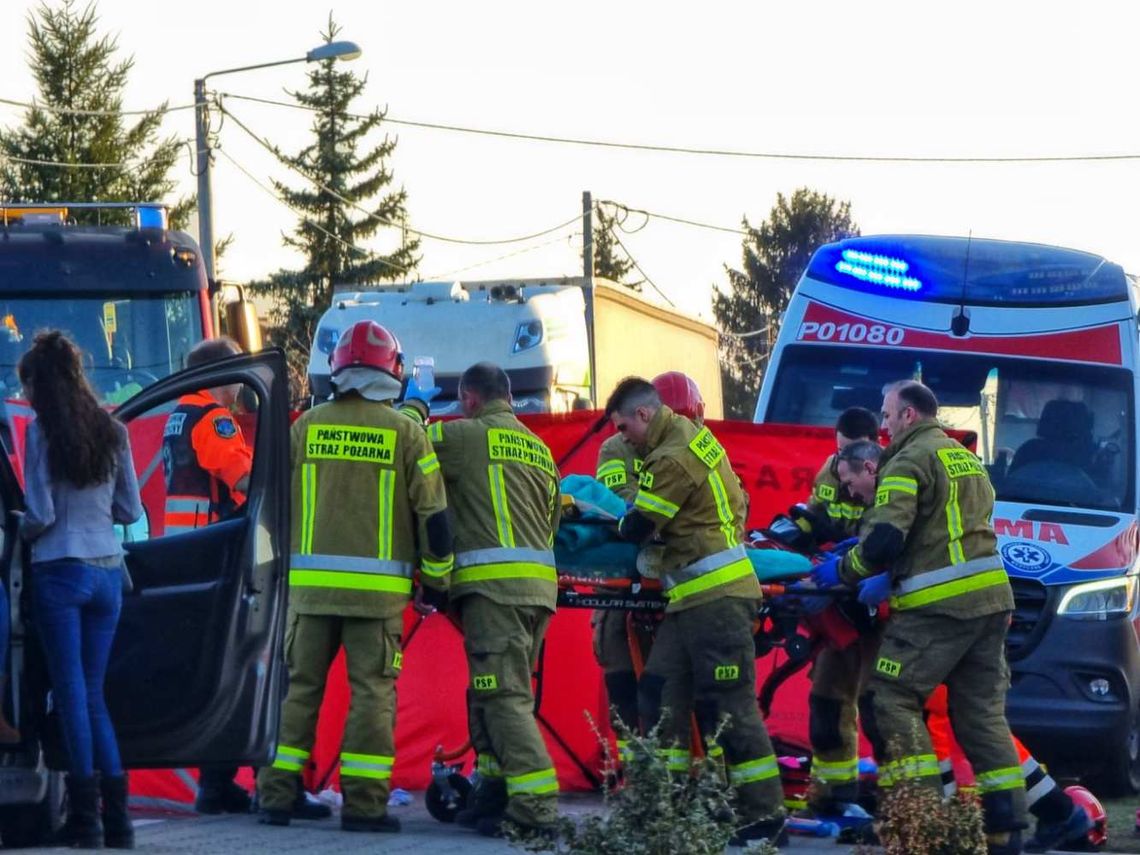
(588, 285)
(588, 238)
(205, 198)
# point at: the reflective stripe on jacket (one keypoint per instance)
(502, 486)
(365, 481)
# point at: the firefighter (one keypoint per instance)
(618, 468)
(929, 539)
(502, 485)
(207, 463)
(703, 659)
(366, 490)
(1058, 818)
(838, 675)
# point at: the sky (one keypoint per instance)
(981, 79)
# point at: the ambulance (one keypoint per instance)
(1034, 349)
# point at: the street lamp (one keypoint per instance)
(330, 50)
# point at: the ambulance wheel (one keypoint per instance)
(441, 809)
(1121, 775)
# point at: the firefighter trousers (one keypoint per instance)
(703, 662)
(837, 679)
(373, 659)
(502, 644)
(614, 632)
(918, 652)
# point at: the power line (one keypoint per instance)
(721, 152)
(463, 241)
(645, 275)
(68, 111)
(63, 164)
(372, 256)
(672, 219)
(517, 252)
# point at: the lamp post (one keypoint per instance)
(332, 50)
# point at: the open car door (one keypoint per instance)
(196, 673)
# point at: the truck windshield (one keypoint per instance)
(128, 341)
(1049, 433)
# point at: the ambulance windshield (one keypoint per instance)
(128, 342)
(1049, 433)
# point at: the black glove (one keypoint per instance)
(433, 597)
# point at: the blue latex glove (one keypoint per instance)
(844, 546)
(873, 590)
(826, 573)
(414, 392)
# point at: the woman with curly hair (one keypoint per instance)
(79, 482)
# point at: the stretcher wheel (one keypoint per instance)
(444, 809)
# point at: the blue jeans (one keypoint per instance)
(76, 608)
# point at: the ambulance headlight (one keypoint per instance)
(1099, 600)
(527, 335)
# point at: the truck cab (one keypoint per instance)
(195, 674)
(1035, 350)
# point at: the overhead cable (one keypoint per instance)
(69, 111)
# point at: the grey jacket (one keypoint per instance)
(65, 521)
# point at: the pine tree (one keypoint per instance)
(76, 69)
(348, 201)
(774, 255)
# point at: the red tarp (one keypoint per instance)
(776, 463)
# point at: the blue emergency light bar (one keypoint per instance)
(980, 272)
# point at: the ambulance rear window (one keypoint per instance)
(980, 272)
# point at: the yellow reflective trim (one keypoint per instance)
(646, 501)
(349, 581)
(350, 442)
(515, 446)
(511, 570)
(723, 509)
(956, 588)
(954, 525)
(611, 467)
(436, 569)
(435, 432)
(488, 766)
(839, 771)
(539, 783)
(729, 573)
(911, 766)
(386, 499)
(1008, 778)
(857, 561)
(752, 771)
(499, 502)
(900, 483)
(428, 464)
(308, 505)
(287, 765)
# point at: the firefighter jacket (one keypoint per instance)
(690, 494)
(832, 502)
(502, 486)
(618, 467)
(930, 526)
(204, 456)
(366, 489)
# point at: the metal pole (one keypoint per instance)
(588, 287)
(205, 197)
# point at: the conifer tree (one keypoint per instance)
(774, 255)
(347, 200)
(76, 69)
(609, 260)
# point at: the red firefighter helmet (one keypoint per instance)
(1098, 834)
(679, 393)
(369, 345)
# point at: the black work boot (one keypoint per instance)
(1003, 843)
(775, 831)
(118, 833)
(499, 825)
(306, 806)
(487, 799)
(82, 829)
(221, 797)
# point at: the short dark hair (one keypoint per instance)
(487, 380)
(914, 394)
(631, 393)
(858, 423)
(211, 350)
(860, 451)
